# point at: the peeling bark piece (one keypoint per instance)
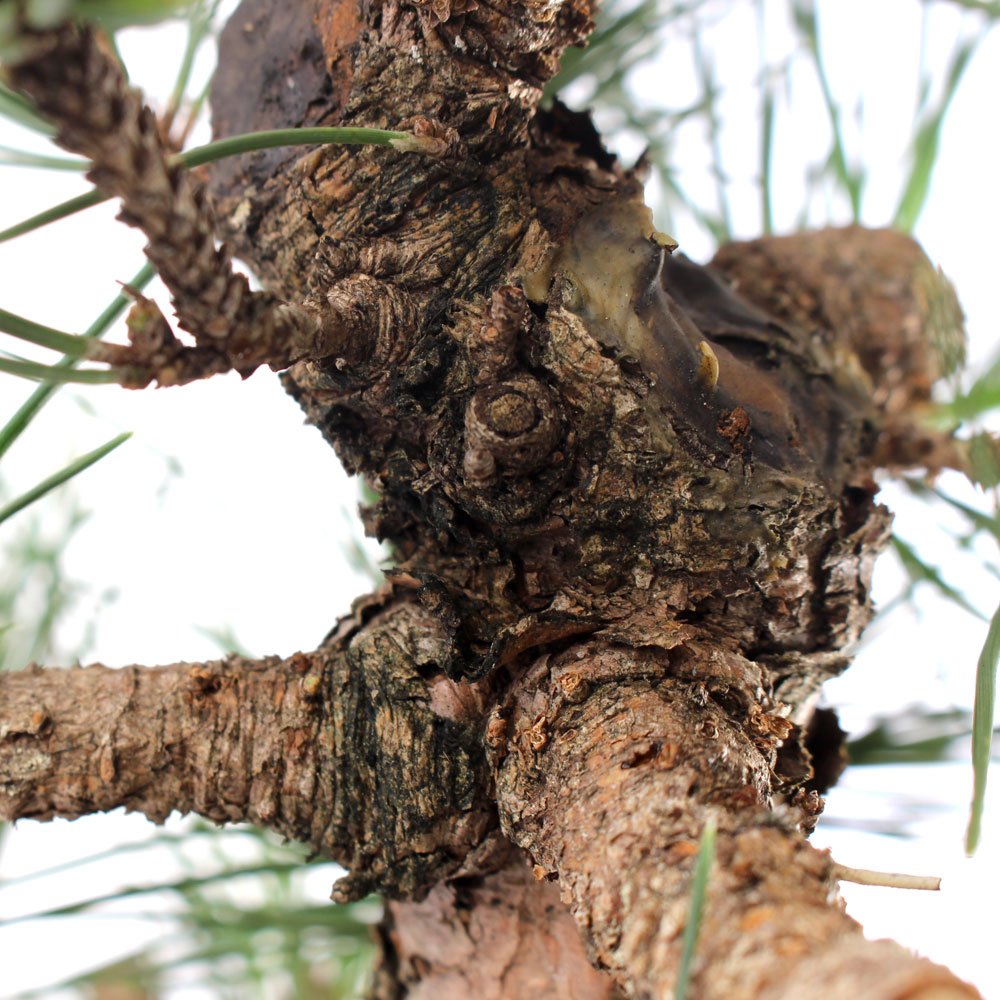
(502, 937)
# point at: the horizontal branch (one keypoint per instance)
(347, 749)
(190, 737)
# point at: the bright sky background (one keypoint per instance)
(223, 511)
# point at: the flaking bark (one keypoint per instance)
(503, 937)
(634, 512)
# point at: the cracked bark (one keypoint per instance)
(634, 515)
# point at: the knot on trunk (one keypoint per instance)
(510, 426)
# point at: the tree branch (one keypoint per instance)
(347, 749)
(77, 83)
(609, 762)
(874, 294)
(202, 737)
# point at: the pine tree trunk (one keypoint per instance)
(633, 512)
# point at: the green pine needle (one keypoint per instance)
(848, 178)
(116, 14)
(233, 146)
(19, 422)
(10, 157)
(53, 373)
(112, 14)
(18, 109)
(922, 572)
(271, 138)
(982, 396)
(696, 907)
(927, 141)
(58, 478)
(982, 728)
(767, 126)
(43, 336)
(183, 886)
(199, 26)
(160, 839)
(911, 735)
(978, 520)
(61, 211)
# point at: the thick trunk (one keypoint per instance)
(634, 515)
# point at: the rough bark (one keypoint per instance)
(609, 795)
(348, 749)
(503, 937)
(634, 514)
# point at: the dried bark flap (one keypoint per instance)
(272, 74)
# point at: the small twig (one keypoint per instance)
(76, 83)
(891, 880)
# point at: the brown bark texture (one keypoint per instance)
(631, 499)
(500, 937)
